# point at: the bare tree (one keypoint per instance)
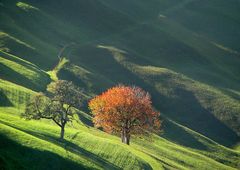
(58, 105)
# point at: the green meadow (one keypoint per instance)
(185, 53)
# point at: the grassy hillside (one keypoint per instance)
(168, 89)
(184, 52)
(22, 72)
(94, 149)
(14, 96)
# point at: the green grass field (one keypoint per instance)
(184, 52)
(91, 148)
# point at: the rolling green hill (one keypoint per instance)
(184, 52)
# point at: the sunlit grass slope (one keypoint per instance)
(13, 96)
(92, 148)
(22, 72)
(101, 152)
(184, 52)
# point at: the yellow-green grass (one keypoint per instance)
(25, 6)
(237, 147)
(53, 73)
(37, 147)
(14, 96)
(90, 147)
(183, 51)
(162, 42)
(106, 153)
(173, 161)
(22, 72)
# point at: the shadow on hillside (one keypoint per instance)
(234, 95)
(101, 62)
(28, 21)
(184, 108)
(71, 147)
(153, 41)
(177, 134)
(190, 113)
(16, 156)
(18, 79)
(87, 121)
(4, 101)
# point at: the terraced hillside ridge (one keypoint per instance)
(186, 53)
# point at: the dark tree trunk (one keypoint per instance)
(122, 135)
(125, 136)
(62, 133)
(128, 139)
(63, 123)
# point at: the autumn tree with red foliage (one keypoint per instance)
(125, 111)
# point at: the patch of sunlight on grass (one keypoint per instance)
(225, 48)
(98, 147)
(20, 72)
(161, 16)
(39, 144)
(53, 73)
(112, 49)
(140, 154)
(4, 36)
(237, 147)
(19, 68)
(16, 94)
(26, 7)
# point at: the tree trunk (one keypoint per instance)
(63, 123)
(62, 133)
(122, 135)
(128, 139)
(125, 136)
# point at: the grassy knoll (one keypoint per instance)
(89, 147)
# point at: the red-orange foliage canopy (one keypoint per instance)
(124, 109)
